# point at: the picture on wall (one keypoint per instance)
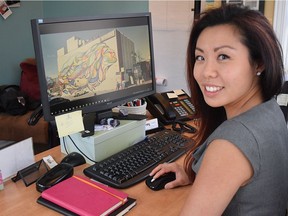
(253, 4)
(4, 9)
(203, 5)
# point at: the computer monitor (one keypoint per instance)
(93, 63)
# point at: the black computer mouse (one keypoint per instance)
(74, 159)
(159, 183)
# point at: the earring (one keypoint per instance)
(258, 73)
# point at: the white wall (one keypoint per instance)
(280, 26)
(172, 22)
(170, 53)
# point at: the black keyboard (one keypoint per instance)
(134, 163)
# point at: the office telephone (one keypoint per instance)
(168, 109)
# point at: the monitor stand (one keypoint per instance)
(90, 119)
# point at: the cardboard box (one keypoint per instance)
(105, 143)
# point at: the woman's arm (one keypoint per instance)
(223, 170)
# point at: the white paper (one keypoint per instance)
(16, 157)
(282, 99)
(172, 95)
(151, 124)
(49, 160)
(179, 92)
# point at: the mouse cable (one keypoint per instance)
(77, 149)
(80, 150)
(64, 144)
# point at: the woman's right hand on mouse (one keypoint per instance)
(181, 176)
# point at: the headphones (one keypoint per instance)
(57, 174)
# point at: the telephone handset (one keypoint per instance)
(162, 105)
(167, 110)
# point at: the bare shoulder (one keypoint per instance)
(228, 159)
(223, 170)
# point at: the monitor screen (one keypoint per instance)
(94, 63)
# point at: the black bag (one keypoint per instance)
(12, 100)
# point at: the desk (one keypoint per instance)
(16, 199)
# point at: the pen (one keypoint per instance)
(138, 102)
(129, 104)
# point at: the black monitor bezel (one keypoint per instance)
(91, 105)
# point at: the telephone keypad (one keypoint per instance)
(178, 106)
(191, 106)
(181, 111)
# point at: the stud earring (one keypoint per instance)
(258, 73)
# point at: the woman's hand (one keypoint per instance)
(181, 176)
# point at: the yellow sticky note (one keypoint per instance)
(69, 123)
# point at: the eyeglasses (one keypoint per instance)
(182, 127)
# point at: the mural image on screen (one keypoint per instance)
(93, 64)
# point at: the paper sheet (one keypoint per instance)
(151, 124)
(16, 157)
(172, 95)
(69, 123)
(282, 99)
(179, 92)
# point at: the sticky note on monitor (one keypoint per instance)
(69, 123)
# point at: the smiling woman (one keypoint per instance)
(234, 71)
(217, 71)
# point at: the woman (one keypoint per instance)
(240, 165)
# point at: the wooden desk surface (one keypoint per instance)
(17, 199)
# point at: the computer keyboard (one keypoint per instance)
(133, 164)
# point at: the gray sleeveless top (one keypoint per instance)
(261, 134)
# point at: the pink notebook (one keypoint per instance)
(85, 197)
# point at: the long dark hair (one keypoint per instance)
(264, 49)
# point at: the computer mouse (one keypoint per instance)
(74, 159)
(159, 183)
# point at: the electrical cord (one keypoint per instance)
(65, 147)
